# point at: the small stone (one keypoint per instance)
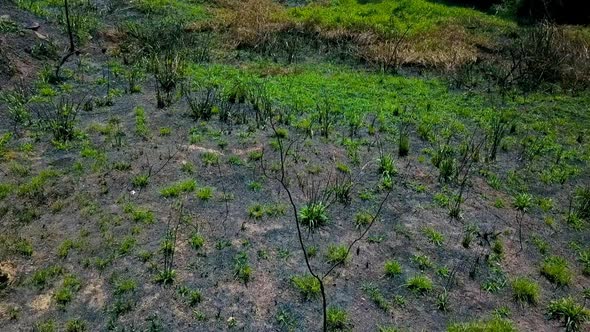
(33, 26)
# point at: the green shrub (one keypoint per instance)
(76, 325)
(140, 180)
(433, 236)
(362, 219)
(387, 165)
(141, 126)
(205, 193)
(376, 295)
(139, 214)
(197, 241)
(174, 190)
(308, 286)
(495, 324)
(422, 260)
(556, 270)
(337, 319)
(337, 254)
(419, 284)
(313, 215)
(525, 290)
(393, 268)
(567, 310)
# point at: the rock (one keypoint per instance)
(40, 36)
(33, 26)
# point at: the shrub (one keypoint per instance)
(201, 107)
(337, 254)
(567, 310)
(242, 269)
(419, 284)
(376, 295)
(141, 125)
(197, 241)
(337, 319)
(140, 180)
(313, 215)
(76, 325)
(403, 142)
(308, 286)
(16, 103)
(205, 193)
(362, 219)
(582, 202)
(60, 119)
(523, 202)
(422, 260)
(169, 71)
(495, 324)
(525, 290)
(556, 270)
(174, 190)
(433, 236)
(393, 268)
(387, 165)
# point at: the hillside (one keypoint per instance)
(260, 165)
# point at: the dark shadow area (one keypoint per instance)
(530, 11)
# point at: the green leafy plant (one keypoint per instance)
(175, 189)
(556, 270)
(337, 254)
(567, 310)
(522, 203)
(433, 236)
(419, 284)
(313, 216)
(337, 319)
(205, 193)
(392, 268)
(525, 290)
(242, 269)
(307, 285)
(495, 324)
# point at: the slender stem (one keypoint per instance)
(69, 26)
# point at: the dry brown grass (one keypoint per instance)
(250, 23)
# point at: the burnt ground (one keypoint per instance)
(85, 203)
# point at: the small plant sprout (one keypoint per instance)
(522, 203)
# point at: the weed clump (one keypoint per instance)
(313, 216)
(556, 270)
(420, 284)
(525, 290)
(308, 286)
(567, 310)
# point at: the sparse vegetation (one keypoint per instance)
(203, 157)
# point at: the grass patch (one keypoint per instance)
(556, 270)
(175, 189)
(525, 290)
(307, 285)
(491, 325)
(420, 284)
